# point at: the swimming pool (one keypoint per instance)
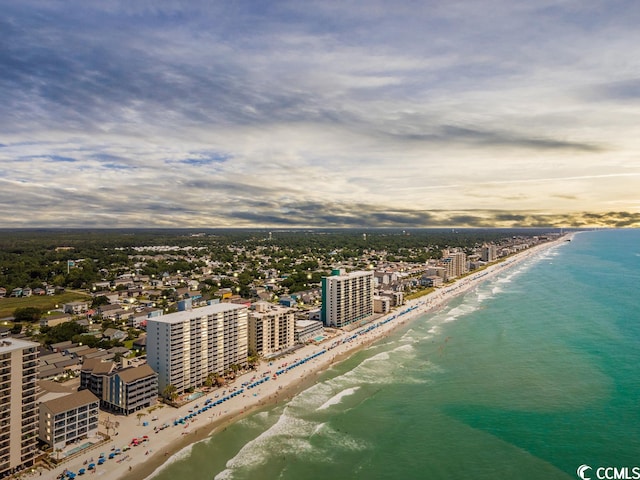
(319, 338)
(195, 395)
(75, 450)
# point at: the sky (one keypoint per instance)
(479, 113)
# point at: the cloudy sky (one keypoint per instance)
(330, 113)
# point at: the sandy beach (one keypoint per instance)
(272, 382)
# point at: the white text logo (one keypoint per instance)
(609, 473)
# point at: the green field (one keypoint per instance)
(44, 303)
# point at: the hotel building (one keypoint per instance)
(18, 409)
(489, 253)
(346, 298)
(125, 390)
(455, 264)
(271, 328)
(184, 347)
(68, 419)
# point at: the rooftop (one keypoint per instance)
(179, 317)
(9, 345)
(71, 401)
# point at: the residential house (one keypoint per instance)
(61, 346)
(114, 313)
(56, 319)
(76, 308)
(114, 334)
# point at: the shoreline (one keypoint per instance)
(150, 457)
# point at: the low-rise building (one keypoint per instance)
(307, 330)
(56, 319)
(381, 304)
(68, 418)
(124, 390)
(131, 389)
(76, 308)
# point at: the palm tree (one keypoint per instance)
(219, 380)
(170, 392)
(140, 415)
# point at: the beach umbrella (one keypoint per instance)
(81, 471)
(91, 466)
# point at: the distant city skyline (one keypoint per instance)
(319, 114)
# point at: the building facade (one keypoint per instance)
(18, 409)
(68, 418)
(125, 390)
(271, 329)
(308, 330)
(131, 389)
(346, 298)
(455, 264)
(489, 253)
(184, 347)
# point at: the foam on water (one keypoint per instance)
(181, 455)
(338, 397)
(289, 435)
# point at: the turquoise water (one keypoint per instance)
(529, 376)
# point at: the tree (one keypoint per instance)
(16, 329)
(139, 416)
(253, 359)
(99, 301)
(61, 333)
(27, 314)
(170, 392)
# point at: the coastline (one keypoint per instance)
(143, 461)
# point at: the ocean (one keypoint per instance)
(528, 376)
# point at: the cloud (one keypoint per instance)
(324, 113)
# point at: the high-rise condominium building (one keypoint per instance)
(489, 253)
(18, 409)
(346, 298)
(271, 328)
(184, 347)
(455, 263)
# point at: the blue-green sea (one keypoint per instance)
(529, 376)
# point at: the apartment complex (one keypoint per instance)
(271, 328)
(184, 347)
(68, 418)
(455, 264)
(346, 298)
(489, 253)
(18, 409)
(124, 390)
